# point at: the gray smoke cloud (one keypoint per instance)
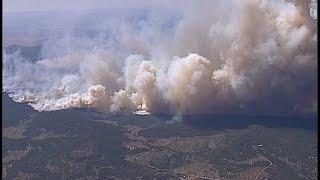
(215, 56)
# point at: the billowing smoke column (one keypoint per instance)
(254, 55)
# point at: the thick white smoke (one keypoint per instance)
(255, 55)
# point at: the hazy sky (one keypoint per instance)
(45, 5)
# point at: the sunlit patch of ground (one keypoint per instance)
(14, 132)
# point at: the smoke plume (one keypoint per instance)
(213, 56)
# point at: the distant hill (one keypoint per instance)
(32, 53)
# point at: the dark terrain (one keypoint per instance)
(80, 143)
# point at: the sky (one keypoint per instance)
(49, 5)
